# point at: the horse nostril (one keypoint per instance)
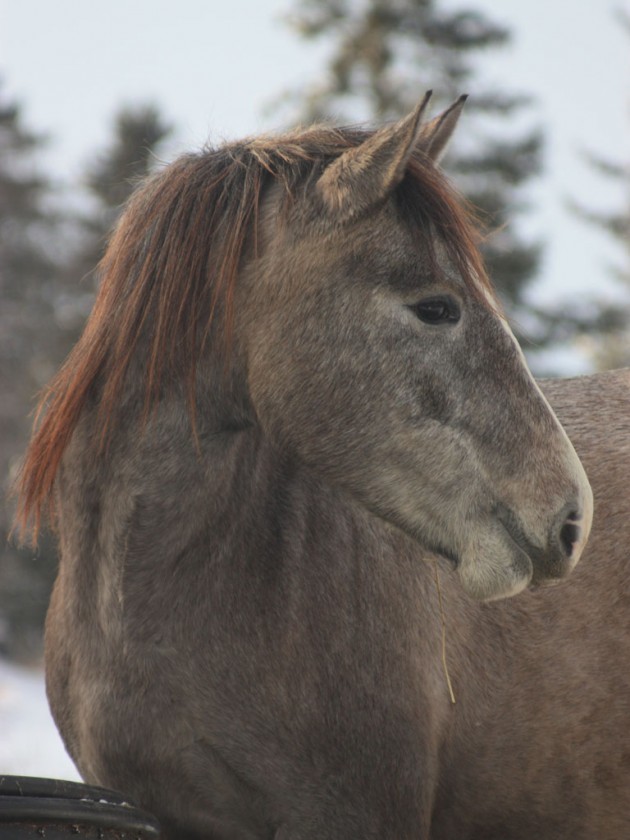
(569, 535)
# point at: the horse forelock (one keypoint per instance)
(441, 215)
(172, 263)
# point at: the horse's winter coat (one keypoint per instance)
(296, 393)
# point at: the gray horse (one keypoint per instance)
(296, 399)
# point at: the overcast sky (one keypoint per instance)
(212, 67)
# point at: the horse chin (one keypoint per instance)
(494, 584)
(496, 568)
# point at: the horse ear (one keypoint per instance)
(361, 177)
(435, 136)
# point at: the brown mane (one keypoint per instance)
(175, 255)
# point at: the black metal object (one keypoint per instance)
(55, 809)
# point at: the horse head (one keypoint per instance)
(377, 353)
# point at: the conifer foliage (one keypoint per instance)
(614, 350)
(29, 227)
(132, 153)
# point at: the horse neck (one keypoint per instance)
(233, 490)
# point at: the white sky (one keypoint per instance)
(213, 66)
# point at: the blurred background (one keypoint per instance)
(94, 96)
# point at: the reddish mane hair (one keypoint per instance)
(174, 255)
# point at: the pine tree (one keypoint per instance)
(110, 179)
(28, 264)
(27, 235)
(613, 347)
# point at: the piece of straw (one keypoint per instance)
(443, 623)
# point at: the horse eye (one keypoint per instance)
(439, 310)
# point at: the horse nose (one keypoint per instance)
(568, 532)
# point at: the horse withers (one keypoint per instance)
(295, 394)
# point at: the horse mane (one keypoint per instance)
(173, 261)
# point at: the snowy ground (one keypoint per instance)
(29, 743)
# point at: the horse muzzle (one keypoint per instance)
(566, 538)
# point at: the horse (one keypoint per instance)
(297, 467)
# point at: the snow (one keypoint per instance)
(29, 742)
